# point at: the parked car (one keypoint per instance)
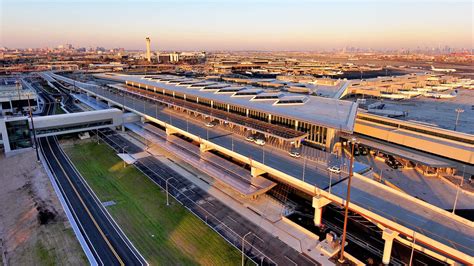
(260, 141)
(250, 137)
(391, 163)
(212, 124)
(356, 151)
(295, 154)
(334, 169)
(365, 151)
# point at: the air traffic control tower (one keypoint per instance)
(148, 49)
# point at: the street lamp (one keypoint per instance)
(304, 167)
(348, 198)
(459, 188)
(232, 138)
(123, 152)
(33, 128)
(167, 194)
(243, 250)
(458, 111)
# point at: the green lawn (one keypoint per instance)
(165, 235)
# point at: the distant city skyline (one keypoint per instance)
(237, 25)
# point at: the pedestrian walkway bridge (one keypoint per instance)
(77, 122)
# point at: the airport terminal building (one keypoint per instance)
(309, 119)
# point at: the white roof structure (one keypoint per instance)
(332, 113)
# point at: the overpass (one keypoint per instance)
(16, 132)
(450, 144)
(404, 218)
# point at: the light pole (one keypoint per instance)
(243, 250)
(459, 188)
(412, 250)
(170, 116)
(123, 152)
(187, 123)
(33, 128)
(330, 182)
(232, 138)
(458, 111)
(167, 194)
(348, 198)
(304, 167)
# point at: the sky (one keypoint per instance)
(297, 25)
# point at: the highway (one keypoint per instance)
(105, 239)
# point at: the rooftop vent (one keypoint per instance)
(230, 89)
(267, 96)
(247, 93)
(292, 100)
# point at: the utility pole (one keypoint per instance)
(348, 198)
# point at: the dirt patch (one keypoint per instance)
(33, 226)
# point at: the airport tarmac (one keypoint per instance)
(438, 112)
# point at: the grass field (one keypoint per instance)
(164, 235)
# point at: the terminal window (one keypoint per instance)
(19, 134)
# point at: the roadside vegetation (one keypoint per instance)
(164, 235)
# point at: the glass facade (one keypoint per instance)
(316, 134)
(19, 134)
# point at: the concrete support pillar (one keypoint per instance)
(330, 138)
(4, 135)
(256, 171)
(203, 147)
(297, 143)
(247, 112)
(388, 235)
(170, 131)
(296, 124)
(270, 118)
(318, 203)
(143, 120)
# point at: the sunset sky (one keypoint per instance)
(236, 25)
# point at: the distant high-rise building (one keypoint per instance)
(148, 49)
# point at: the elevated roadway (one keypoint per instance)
(104, 238)
(440, 233)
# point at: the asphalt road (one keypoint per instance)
(106, 241)
(315, 173)
(370, 196)
(261, 246)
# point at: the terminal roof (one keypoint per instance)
(332, 113)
